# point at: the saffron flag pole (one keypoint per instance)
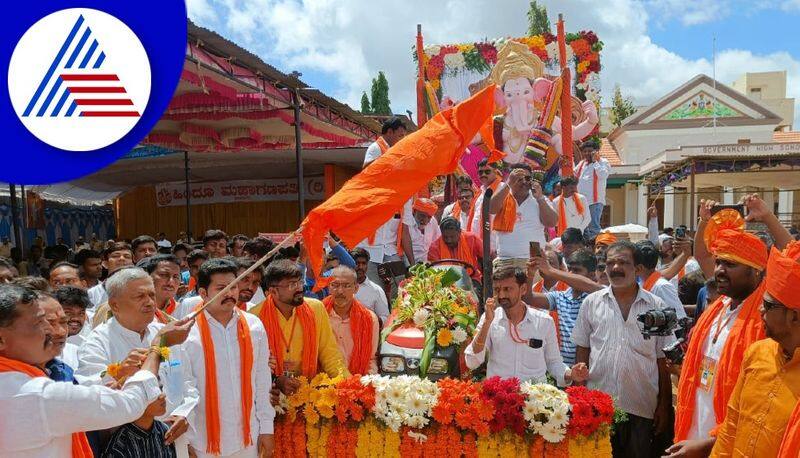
(567, 162)
(370, 198)
(422, 113)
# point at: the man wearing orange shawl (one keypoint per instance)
(301, 340)
(727, 327)
(42, 417)
(572, 207)
(392, 131)
(425, 229)
(462, 209)
(489, 178)
(355, 327)
(769, 383)
(457, 244)
(165, 270)
(229, 363)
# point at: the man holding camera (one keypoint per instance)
(736, 259)
(621, 361)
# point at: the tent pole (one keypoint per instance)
(12, 190)
(24, 219)
(188, 197)
(298, 153)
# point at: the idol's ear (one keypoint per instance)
(541, 87)
(499, 97)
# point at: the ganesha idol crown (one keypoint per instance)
(515, 60)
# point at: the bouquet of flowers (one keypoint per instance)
(546, 410)
(432, 302)
(592, 410)
(403, 400)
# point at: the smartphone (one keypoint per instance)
(718, 208)
(536, 250)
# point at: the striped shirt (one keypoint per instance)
(567, 308)
(129, 441)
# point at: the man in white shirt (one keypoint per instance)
(392, 131)
(461, 209)
(489, 178)
(652, 281)
(118, 255)
(425, 228)
(382, 247)
(523, 212)
(217, 343)
(125, 336)
(621, 362)
(571, 206)
(592, 173)
(521, 340)
(369, 293)
(40, 415)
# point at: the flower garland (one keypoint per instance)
(583, 49)
(460, 404)
(403, 401)
(546, 411)
(591, 411)
(507, 400)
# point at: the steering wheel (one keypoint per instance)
(470, 269)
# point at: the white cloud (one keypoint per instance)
(351, 40)
(689, 12)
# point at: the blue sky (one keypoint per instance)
(651, 46)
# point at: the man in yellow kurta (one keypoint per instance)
(300, 337)
(769, 383)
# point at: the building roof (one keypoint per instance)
(786, 137)
(609, 153)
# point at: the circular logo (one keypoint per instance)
(79, 79)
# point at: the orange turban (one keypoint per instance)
(426, 206)
(783, 275)
(740, 247)
(605, 238)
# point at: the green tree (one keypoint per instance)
(380, 96)
(365, 107)
(621, 107)
(538, 22)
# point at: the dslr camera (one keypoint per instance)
(665, 322)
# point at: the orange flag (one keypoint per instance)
(370, 198)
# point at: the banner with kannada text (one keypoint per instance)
(173, 194)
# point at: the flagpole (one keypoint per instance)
(567, 162)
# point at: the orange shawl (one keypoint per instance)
(562, 212)
(505, 219)
(80, 446)
(361, 329)
(791, 438)
(212, 395)
(171, 306)
(747, 329)
(463, 253)
(304, 313)
(651, 281)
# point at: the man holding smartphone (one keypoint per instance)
(520, 340)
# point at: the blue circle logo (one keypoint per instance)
(86, 84)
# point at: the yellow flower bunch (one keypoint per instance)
(164, 351)
(444, 337)
(370, 439)
(466, 47)
(317, 398)
(536, 42)
(583, 65)
(590, 447)
(317, 439)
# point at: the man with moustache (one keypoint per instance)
(234, 416)
(462, 209)
(300, 337)
(520, 340)
(91, 265)
(249, 284)
(124, 338)
(736, 259)
(355, 328)
(215, 243)
(42, 417)
(767, 389)
(369, 293)
(61, 367)
(115, 257)
(621, 362)
(489, 178)
(143, 247)
(74, 301)
(165, 270)
(65, 273)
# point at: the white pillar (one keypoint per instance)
(641, 209)
(631, 203)
(669, 207)
(727, 196)
(785, 204)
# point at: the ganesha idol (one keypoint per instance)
(525, 97)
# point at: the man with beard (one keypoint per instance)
(736, 259)
(462, 209)
(459, 245)
(143, 247)
(249, 284)
(487, 175)
(42, 417)
(65, 273)
(74, 301)
(425, 229)
(355, 328)
(369, 293)
(621, 362)
(300, 337)
(165, 270)
(521, 340)
(234, 416)
(124, 338)
(767, 389)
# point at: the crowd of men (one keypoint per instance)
(85, 370)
